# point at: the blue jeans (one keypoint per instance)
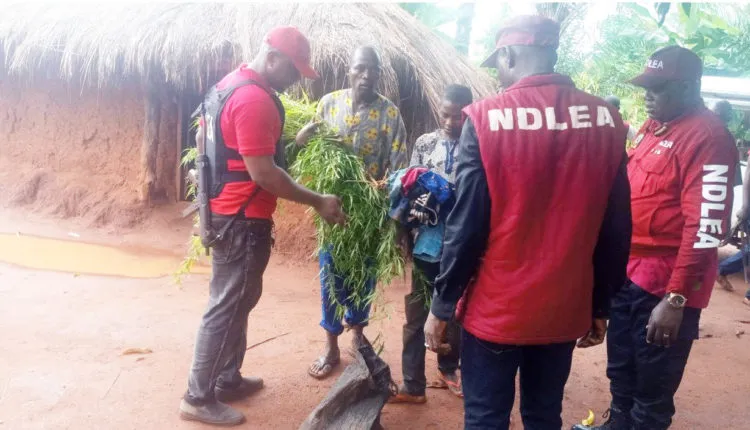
(644, 377)
(354, 316)
(731, 265)
(488, 371)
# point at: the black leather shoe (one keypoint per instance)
(616, 421)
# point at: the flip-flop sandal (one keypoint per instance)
(453, 387)
(439, 384)
(325, 370)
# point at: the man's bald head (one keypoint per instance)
(364, 73)
(613, 100)
(517, 62)
(723, 109)
(366, 52)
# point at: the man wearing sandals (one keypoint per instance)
(539, 234)
(372, 126)
(436, 151)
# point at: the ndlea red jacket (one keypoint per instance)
(542, 214)
(682, 176)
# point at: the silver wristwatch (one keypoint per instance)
(677, 301)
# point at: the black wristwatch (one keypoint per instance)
(675, 300)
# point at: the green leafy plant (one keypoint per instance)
(195, 247)
(299, 113)
(365, 248)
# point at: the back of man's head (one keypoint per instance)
(723, 109)
(613, 100)
(458, 94)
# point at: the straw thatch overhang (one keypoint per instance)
(179, 49)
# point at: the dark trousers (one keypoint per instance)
(238, 263)
(644, 377)
(489, 372)
(417, 310)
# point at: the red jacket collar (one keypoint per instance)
(539, 80)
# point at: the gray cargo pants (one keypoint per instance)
(239, 260)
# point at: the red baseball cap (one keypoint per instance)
(673, 63)
(525, 30)
(292, 43)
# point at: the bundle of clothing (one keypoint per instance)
(420, 200)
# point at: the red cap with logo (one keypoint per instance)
(525, 30)
(292, 43)
(673, 63)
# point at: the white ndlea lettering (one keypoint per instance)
(531, 118)
(551, 117)
(604, 117)
(523, 119)
(579, 116)
(499, 118)
(655, 64)
(714, 193)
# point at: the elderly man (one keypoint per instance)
(249, 132)
(372, 126)
(682, 177)
(539, 233)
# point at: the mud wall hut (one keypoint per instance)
(95, 99)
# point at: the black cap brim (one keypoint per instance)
(491, 61)
(645, 80)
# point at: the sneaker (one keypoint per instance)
(215, 413)
(247, 387)
(616, 421)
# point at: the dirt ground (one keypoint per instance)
(63, 334)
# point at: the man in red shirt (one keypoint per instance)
(250, 126)
(682, 177)
(540, 232)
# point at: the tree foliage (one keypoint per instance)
(634, 32)
(435, 16)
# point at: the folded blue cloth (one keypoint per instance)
(429, 244)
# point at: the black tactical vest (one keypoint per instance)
(216, 150)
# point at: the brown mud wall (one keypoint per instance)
(71, 152)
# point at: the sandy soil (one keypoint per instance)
(61, 365)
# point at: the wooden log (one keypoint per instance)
(150, 146)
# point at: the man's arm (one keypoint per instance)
(398, 146)
(706, 202)
(303, 136)
(467, 227)
(267, 175)
(416, 154)
(276, 181)
(613, 246)
(745, 211)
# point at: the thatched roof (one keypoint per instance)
(103, 45)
